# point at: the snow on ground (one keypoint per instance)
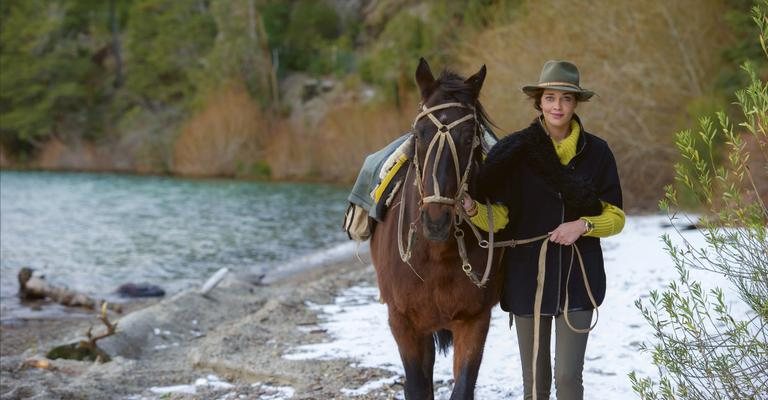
(636, 263)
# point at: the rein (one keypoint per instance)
(540, 283)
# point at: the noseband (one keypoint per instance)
(443, 136)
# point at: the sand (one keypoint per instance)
(230, 342)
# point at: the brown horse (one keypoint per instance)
(425, 274)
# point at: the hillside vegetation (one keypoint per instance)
(304, 89)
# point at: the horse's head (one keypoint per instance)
(448, 133)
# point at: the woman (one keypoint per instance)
(552, 178)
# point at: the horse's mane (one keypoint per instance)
(454, 85)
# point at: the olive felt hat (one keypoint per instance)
(559, 75)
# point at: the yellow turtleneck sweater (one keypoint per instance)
(609, 222)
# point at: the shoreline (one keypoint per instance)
(160, 174)
(15, 311)
(237, 333)
(306, 336)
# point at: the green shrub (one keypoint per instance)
(702, 350)
(309, 37)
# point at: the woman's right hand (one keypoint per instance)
(568, 232)
(470, 205)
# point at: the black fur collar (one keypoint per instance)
(533, 146)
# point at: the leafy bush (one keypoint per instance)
(745, 47)
(703, 350)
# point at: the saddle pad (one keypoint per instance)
(395, 179)
(387, 179)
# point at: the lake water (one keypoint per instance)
(93, 232)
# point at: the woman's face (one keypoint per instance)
(558, 107)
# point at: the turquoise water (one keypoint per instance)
(93, 232)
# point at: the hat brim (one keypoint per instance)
(581, 95)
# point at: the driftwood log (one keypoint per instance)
(35, 287)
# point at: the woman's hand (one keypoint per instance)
(568, 232)
(470, 206)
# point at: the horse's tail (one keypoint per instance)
(443, 340)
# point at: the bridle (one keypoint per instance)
(443, 136)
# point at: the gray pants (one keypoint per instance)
(569, 355)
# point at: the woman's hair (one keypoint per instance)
(537, 99)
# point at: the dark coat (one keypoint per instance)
(523, 172)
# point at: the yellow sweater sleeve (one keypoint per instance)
(608, 223)
(500, 217)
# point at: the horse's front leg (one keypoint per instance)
(468, 341)
(417, 352)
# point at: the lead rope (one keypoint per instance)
(537, 309)
(540, 293)
(405, 254)
(465, 266)
(540, 277)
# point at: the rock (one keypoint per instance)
(140, 290)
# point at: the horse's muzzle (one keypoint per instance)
(436, 221)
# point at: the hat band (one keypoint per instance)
(571, 85)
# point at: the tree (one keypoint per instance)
(240, 53)
(166, 42)
(703, 349)
(55, 78)
(44, 71)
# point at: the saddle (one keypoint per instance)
(361, 216)
(379, 181)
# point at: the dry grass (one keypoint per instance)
(288, 155)
(647, 60)
(231, 136)
(356, 131)
(225, 138)
(333, 149)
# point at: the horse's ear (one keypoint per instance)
(476, 80)
(424, 79)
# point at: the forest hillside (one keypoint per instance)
(305, 89)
